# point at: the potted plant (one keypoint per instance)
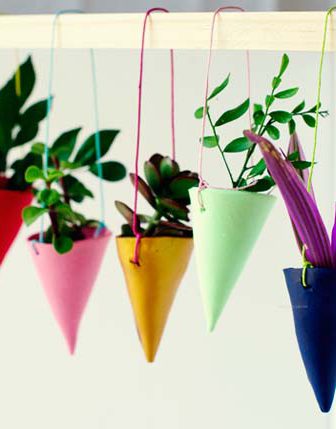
(68, 253)
(227, 222)
(311, 288)
(19, 126)
(165, 248)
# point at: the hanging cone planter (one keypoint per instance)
(153, 283)
(68, 279)
(225, 232)
(11, 205)
(315, 326)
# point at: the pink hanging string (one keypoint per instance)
(202, 183)
(136, 232)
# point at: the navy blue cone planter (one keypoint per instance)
(314, 311)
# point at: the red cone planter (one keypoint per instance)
(68, 279)
(11, 205)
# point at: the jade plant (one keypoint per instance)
(166, 190)
(57, 189)
(19, 125)
(267, 120)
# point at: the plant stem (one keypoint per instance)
(61, 181)
(220, 149)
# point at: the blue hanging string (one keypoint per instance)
(96, 115)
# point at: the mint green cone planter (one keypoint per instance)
(224, 235)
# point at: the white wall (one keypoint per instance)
(248, 374)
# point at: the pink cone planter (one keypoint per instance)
(68, 279)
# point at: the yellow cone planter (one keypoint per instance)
(225, 232)
(153, 284)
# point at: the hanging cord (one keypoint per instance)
(135, 230)
(305, 263)
(96, 116)
(17, 74)
(202, 183)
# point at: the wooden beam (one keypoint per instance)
(278, 31)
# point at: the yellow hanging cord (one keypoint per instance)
(305, 263)
(17, 75)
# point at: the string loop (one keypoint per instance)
(137, 233)
(202, 182)
(96, 117)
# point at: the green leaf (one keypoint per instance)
(48, 197)
(210, 141)
(301, 165)
(65, 211)
(152, 176)
(199, 113)
(269, 99)
(273, 132)
(38, 148)
(313, 109)
(276, 82)
(257, 107)
(284, 64)
(29, 122)
(75, 189)
(62, 244)
(291, 126)
(86, 154)
(177, 210)
(258, 169)
(287, 93)
(17, 181)
(66, 165)
(299, 107)
(31, 214)
(309, 120)
(53, 175)
(264, 184)
(144, 190)
(180, 185)
(65, 144)
(220, 87)
(293, 156)
(281, 116)
(112, 171)
(33, 173)
(233, 114)
(168, 168)
(238, 145)
(258, 117)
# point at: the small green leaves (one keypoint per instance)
(233, 114)
(276, 82)
(62, 244)
(238, 145)
(273, 132)
(38, 148)
(176, 209)
(199, 113)
(219, 88)
(291, 126)
(181, 184)
(210, 141)
(264, 184)
(281, 116)
(287, 93)
(258, 169)
(284, 64)
(299, 107)
(33, 173)
(111, 170)
(53, 175)
(258, 114)
(31, 214)
(269, 99)
(48, 197)
(301, 165)
(309, 120)
(76, 190)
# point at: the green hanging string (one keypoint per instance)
(305, 263)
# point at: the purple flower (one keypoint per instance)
(300, 204)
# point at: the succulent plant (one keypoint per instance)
(61, 189)
(167, 193)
